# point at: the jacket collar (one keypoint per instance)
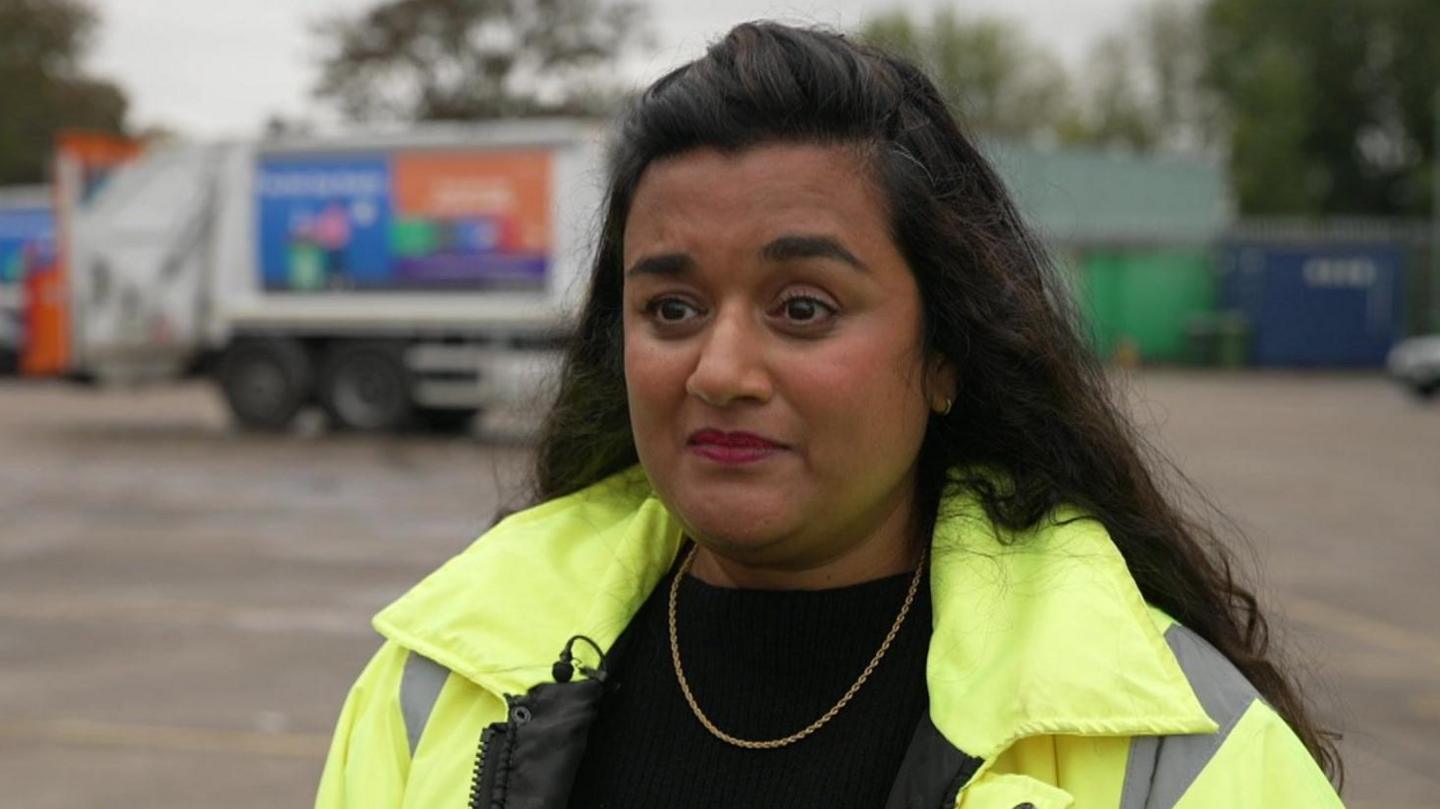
(1034, 635)
(1045, 634)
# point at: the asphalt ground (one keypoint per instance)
(182, 607)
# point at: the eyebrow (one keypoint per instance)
(784, 248)
(788, 248)
(666, 264)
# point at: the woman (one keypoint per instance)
(834, 508)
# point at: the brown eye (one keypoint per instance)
(802, 309)
(805, 310)
(670, 310)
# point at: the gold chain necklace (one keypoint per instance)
(818, 723)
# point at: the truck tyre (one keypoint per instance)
(446, 420)
(366, 387)
(265, 381)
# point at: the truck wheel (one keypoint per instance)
(366, 387)
(265, 382)
(447, 420)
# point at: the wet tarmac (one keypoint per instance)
(182, 606)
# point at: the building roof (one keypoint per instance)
(1084, 196)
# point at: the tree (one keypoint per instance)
(467, 59)
(988, 71)
(1116, 110)
(1330, 103)
(1143, 86)
(42, 86)
(1172, 52)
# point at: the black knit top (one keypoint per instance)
(762, 664)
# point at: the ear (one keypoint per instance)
(942, 381)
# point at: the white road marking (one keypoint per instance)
(153, 737)
(169, 612)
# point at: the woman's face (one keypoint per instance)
(777, 386)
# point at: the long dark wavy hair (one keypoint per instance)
(1033, 402)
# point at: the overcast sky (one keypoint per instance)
(209, 68)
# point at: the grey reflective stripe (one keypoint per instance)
(419, 688)
(1139, 768)
(1162, 768)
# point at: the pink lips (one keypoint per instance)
(732, 448)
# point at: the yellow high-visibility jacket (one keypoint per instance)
(1051, 683)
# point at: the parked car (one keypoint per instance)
(1415, 363)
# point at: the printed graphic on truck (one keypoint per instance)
(26, 237)
(405, 221)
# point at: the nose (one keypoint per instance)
(730, 367)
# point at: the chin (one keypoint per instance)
(743, 524)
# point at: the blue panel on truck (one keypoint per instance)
(23, 232)
(1317, 305)
(323, 223)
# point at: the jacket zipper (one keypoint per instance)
(487, 783)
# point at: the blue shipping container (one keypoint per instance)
(1326, 304)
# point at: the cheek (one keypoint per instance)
(654, 384)
(865, 394)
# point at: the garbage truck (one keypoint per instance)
(394, 279)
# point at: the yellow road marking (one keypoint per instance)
(154, 737)
(1426, 706)
(1363, 628)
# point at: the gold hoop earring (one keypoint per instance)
(945, 409)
